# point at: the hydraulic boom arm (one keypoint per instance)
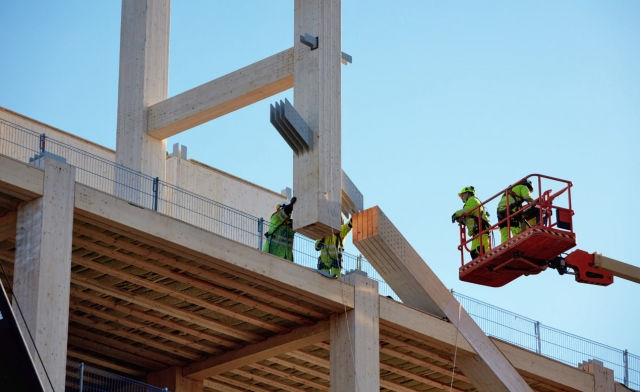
(594, 268)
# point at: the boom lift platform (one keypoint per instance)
(546, 234)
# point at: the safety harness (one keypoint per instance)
(336, 262)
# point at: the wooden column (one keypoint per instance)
(144, 75)
(317, 97)
(355, 339)
(602, 377)
(42, 271)
(173, 380)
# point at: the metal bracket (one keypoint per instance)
(346, 59)
(291, 126)
(310, 41)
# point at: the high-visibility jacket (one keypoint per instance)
(280, 236)
(471, 220)
(331, 248)
(518, 195)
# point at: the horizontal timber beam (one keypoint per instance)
(276, 345)
(178, 237)
(221, 96)
(438, 333)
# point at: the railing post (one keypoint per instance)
(260, 231)
(359, 262)
(81, 376)
(625, 360)
(538, 341)
(43, 139)
(155, 193)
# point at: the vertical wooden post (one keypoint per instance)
(317, 181)
(144, 76)
(173, 380)
(355, 340)
(42, 273)
(602, 377)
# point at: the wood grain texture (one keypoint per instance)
(221, 96)
(416, 284)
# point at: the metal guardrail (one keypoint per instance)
(148, 192)
(550, 342)
(83, 378)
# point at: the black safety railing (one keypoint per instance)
(148, 192)
(84, 378)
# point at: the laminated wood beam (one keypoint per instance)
(221, 96)
(411, 278)
(143, 81)
(164, 289)
(178, 237)
(317, 98)
(273, 346)
(82, 357)
(8, 225)
(292, 377)
(110, 351)
(173, 262)
(414, 324)
(113, 253)
(78, 296)
(172, 311)
(126, 347)
(121, 332)
(25, 182)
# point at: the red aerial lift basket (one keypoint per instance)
(547, 233)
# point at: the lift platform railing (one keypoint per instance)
(22, 144)
(545, 205)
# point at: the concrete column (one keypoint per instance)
(173, 380)
(144, 77)
(355, 340)
(317, 174)
(42, 270)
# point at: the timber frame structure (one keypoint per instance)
(139, 293)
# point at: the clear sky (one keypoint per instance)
(440, 95)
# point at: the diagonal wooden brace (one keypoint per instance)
(415, 283)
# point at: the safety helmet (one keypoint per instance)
(280, 206)
(466, 189)
(528, 184)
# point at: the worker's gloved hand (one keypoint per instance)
(454, 218)
(293, 200)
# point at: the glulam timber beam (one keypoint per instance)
(8, 225)
(317, 98)
(221, 96)
(436, 332)
(273, 346)
(415, 283)
(175, 236)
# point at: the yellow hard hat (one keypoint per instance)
(466, 189)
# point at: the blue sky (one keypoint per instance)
(440, 95)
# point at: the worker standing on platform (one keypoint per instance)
(331, 248)
(471, 203)
(518, 194)
(280, 234)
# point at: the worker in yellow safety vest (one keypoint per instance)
(518, 194)
(331, 248)
(280, 234)
(471, 203)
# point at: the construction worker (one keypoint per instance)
(280, 235)
(331, 248)
(518, 194)
(471, 203)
